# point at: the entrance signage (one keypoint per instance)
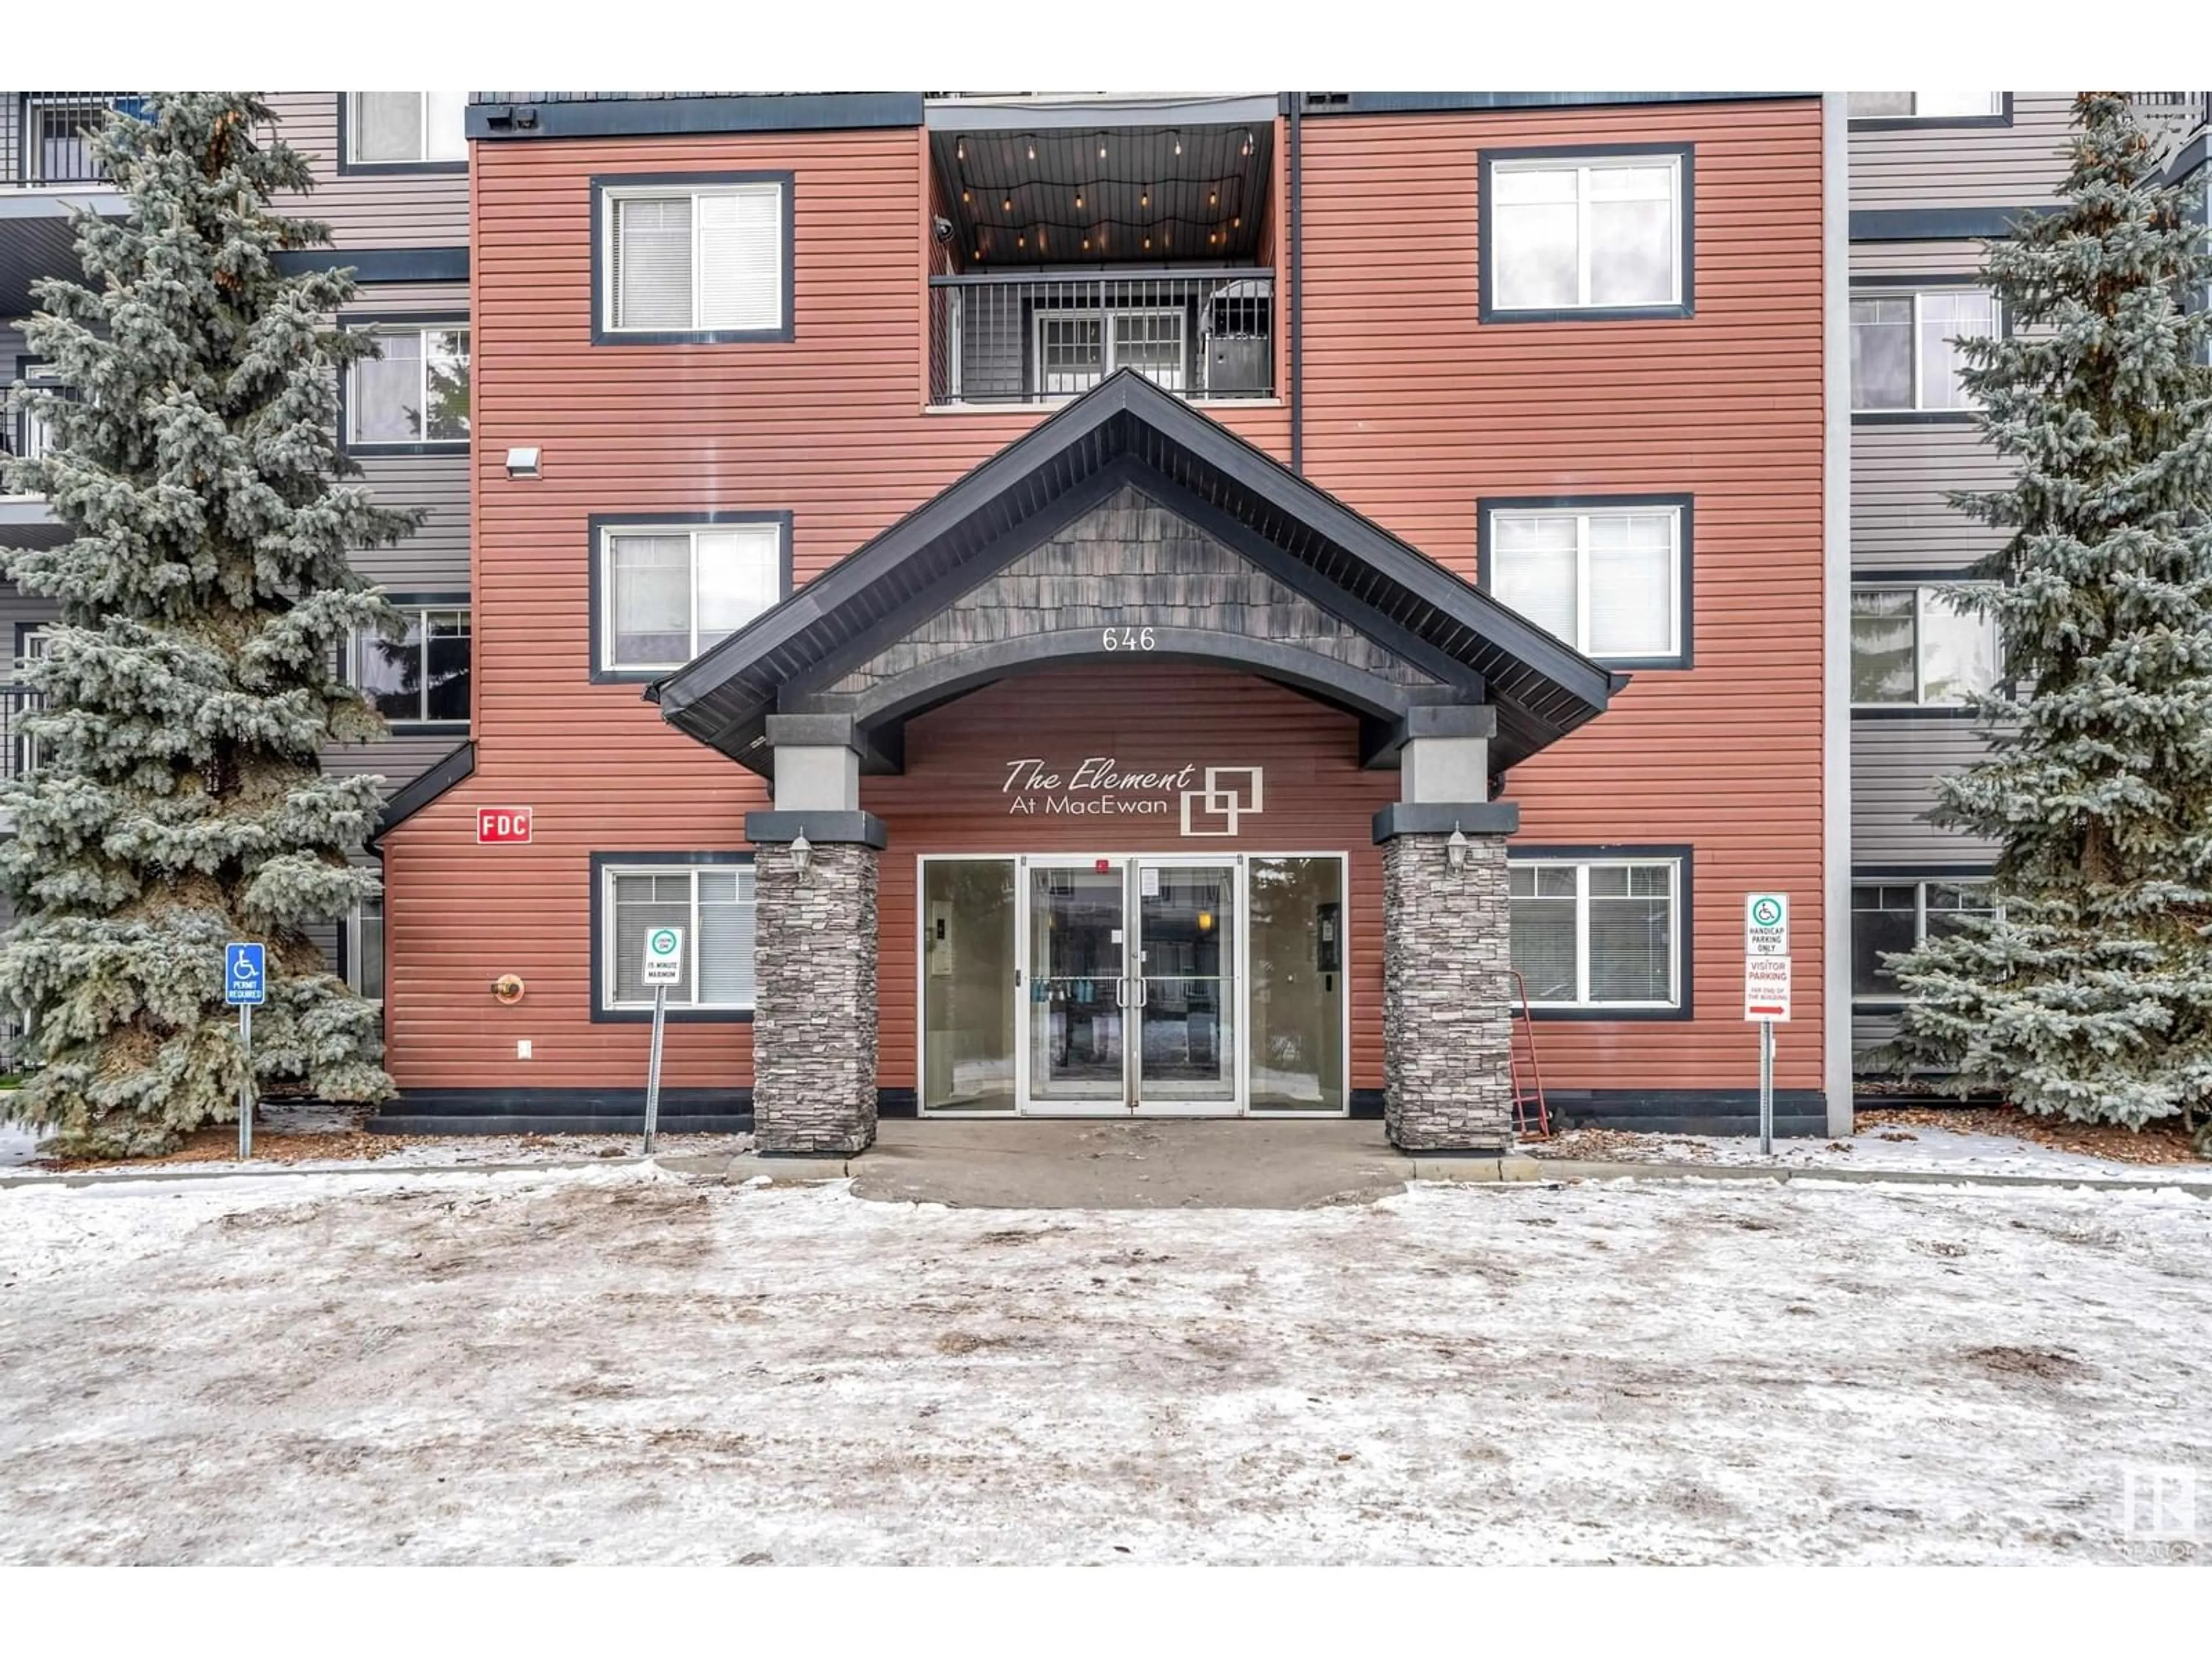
(502, 825)
(1766, 925)
(246, 987)
(1206, 801)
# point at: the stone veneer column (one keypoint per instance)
(1447, 948)
(814, 1009)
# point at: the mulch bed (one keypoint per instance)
(2162, 1142)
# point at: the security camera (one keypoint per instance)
(943, 227)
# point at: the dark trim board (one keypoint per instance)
(1686, 1111)
(432, 781)
(603, 1015)
(520, 119)
(381, 265)
(562, 1112)
(1327, 104)
(1487, 307)
(1945, 224)
(1915, 416)
(1685, 505)
(1924, 870)
(601, 183)
(1685, 919)
(599, 523)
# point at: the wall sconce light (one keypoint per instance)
(1455, 849)
(523, 463)
(802, 855)
(508, 988)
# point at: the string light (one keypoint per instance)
(1148, 245)
(1178, 144)
(1145, 200)
(1008, 204)
(1078, 199)
(1021, 241)
(967, 197)
(960, 152)
(1032, 144)
(1087, 245)
(1102, 147)
(1213, 199)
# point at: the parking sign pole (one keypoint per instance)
(652, 1068)
(245, 1083)
(1766, 1088)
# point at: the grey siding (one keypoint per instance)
(1939, 166)
(436, 558)
(1901, 516)
(398, 760)
(1895, 763)
(1946, 258)
(387, 209)
(19, 610)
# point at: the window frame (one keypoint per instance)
(1920, 588)
(21, 424)
(351, 953)
(604, 867)
(601, 525)
(1106, 317)
(1682, 590)
(1914, 288)
(1683, 304)
(348, 128)
(420, 605)
(1681, 859)
(1920, 877)
(1921, 123)
(422, 322)
(607, 187)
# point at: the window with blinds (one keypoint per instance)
(696, 261)
(1607, 580)
(671, 592)
(713, 903)
(1597, 933)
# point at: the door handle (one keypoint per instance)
(1121, 994)
(1144, 991)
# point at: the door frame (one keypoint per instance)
(1241, 1106)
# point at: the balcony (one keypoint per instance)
(18, 753)
(1018, 338)
(2177, 115)
(46, 139)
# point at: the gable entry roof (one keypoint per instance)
(1128, 429)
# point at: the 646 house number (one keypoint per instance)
(1129, 639)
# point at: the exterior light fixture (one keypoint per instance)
(1008, 204)
(1455, 849)
(1078, 199)
(960, 152)
(802, 855)
(523, 463)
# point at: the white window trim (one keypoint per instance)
(354, 439)
(1920, 884)
(420, 612)
(353, 950)
(1995, 112)
(1921, 593)
(608, 534)
(1581, 167)
(1920, 404)
(1582, 867)
(611, 931)
(1107, 361)
(421, 156)
(1582, 515)
(610, 194)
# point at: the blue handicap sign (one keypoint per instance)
(244, 977)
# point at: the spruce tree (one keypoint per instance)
(2088, 994)
(205, 599)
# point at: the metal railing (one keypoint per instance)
(2179, 114)
(19, 752)
(48, 136)
(1022, 338)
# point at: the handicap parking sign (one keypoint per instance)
(244, 978)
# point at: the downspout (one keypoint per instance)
(1298, 296)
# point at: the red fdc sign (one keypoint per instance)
(502, 824)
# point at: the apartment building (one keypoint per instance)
(391, 173)
(1932, 175)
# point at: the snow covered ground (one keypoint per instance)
(614, 1364)
(1939, 1150)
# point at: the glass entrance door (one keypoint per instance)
(1078, 990)
(1184, 986)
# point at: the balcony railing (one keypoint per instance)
(48, 135)
(2180, 114)
(18, 753)
(1021, 338)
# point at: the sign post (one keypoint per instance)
(245, 987)
(1767, 991)
(664, 967)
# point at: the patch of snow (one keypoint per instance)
(1937, 1149)
(19, 1143)
(616, 1365)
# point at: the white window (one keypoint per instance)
(422, 677)
(1593, 232)
(1905, 351)
(19, 755)
(713, 903)
(416, 393)
(1597, 933)
(1073, 350)
(1912, 645)
(694, 260)
(1607, 580)
(1925, 106)
(1893, 916)
(29, 436)
(364, 949)
(393, 128)
(671, 592)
